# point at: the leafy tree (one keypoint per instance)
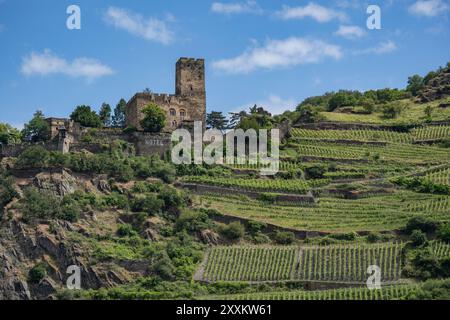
(9, 135)
(391, 110)
(86, 117)
(236, 118)
(233, 231)
(418, 238)
(415, 84)
(37, 129)
(154, 118)
(216, 120)
(105, 114)
(343, 98)
(308, 114)
(118, 118)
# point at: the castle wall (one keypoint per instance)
(186, 105)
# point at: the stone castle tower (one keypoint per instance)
(187, 105)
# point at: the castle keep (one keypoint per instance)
(187, 105)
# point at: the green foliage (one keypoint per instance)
(9, 135)
(154, 118)
(415, 84)
(7, 191)
(148, 203)
(193, 221)
(418, 238)
(118, 118)
(432, 290)
(392, 110)
(350, 236)
(33, 157)
(284, 237)
(37, 129)
(308, 114)
(105, 115)
(233, 231)
(126, 230)
(443, 233)
(86, 117)
(37, 273)
(421, 184)
(216, 120)
(41, 205)
(173, 198)
(421, 223)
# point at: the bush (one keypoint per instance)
(315, 172)
(418, 238)
(193, 221)
(373, 237)
(351, 236)
(126, 230)
(149, 203)
(172, 198)
(37, 273)
(33, 157)
(421, 223)
(233, 231)
(391, 110)
(7, 191)
(254, 226)
(284, 237)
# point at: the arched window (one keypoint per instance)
(173, 112)
(182, 114)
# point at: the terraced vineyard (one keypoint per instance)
(297, 186)
(440, 176)
(426, 133)
(376, 213)
(404, 153)
(335, 263)
(396, 292)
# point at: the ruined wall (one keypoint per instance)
(148, 143)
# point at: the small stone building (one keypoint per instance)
(187, 105)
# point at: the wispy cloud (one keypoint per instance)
(382, 48)
(236, 7)
(350, 32)
(278, 54)
(429, 8)
(47, 63)
(312, 10)
(151, 29)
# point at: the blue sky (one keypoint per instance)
(274, 53)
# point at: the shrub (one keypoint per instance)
(126, 230)
(284, 237)
(351, 236)
(373, 237)
(255, 226)
(233, 231)
(418, 238)
(7, 191)
(421, 223)
(37, 273)
(193, 221)
(315, 172)
(172, 198)
(391, 110)
(33, 157)
(149, 203)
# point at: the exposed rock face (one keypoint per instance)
(59, 184)
(101, 183)
(437, 88)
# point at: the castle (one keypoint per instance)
(187, 105)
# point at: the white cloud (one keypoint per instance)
(312, 10)
(237, 7)
(382, 48)
(429, 8)
(279, 53)
(150, 29)
(350, 32)
(47, 63)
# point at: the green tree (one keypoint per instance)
(118, 118)
(216, 120)
(37, 129)
(86, 117)
(9, 135)
(33, 157)
(415, 84)
(154, 118)
(105, 114)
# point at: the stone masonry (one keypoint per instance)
(187, 105)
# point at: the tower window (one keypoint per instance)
(173, 112)
(182, 114)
